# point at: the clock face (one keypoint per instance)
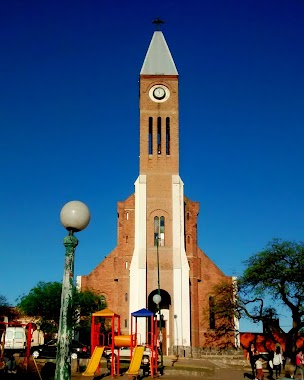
(159, 93)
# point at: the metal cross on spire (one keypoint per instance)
(158, 22)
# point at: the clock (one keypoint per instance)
(159, 93)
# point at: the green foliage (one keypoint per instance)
(88, 302)
(6, 310)
(276, 272)
(3, 304)
(275, 275)
(3, 301)
(44, 301)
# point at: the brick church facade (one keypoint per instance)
(157, 249)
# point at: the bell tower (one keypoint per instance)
(159, 249)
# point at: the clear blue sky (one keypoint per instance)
(69, 123)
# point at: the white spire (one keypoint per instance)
(158, 60)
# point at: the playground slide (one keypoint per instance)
(136, 360)
(94, 361)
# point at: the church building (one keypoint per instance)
(157, 249)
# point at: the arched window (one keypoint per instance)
(126, 297)
(150, 135)
(188, 239)
(167, 135)
(159, 231)
(126, 323)
(127, 238)
(188, 215)
(211, 313)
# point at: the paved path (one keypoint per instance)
(229, 374)
(208, 369)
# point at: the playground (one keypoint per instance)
(140, 352)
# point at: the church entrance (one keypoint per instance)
(163, 309)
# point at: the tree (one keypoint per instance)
(85, 303)
(3, 305)
(276, 272)
(44, 302)
(220, 313)
(6, 310)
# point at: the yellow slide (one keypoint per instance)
(136, 360)
(94, 361)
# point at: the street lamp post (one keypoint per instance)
(157, 300)
(75, 216)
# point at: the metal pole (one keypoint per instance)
(63, 358)
(157, 253)
(158, 306)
